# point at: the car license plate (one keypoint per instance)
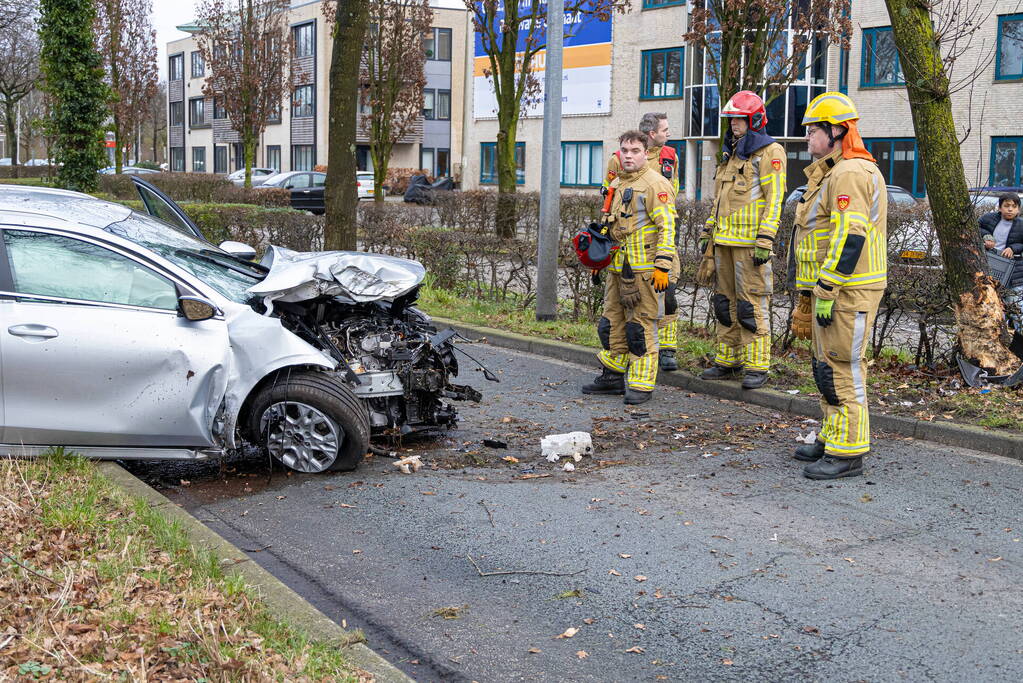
(370, 191)
(912, 253)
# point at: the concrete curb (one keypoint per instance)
(281, 600)
(963, 436)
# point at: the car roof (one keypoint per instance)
(52, 207)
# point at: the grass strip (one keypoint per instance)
(896, 387)
(97, 585)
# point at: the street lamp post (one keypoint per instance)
(550, 169)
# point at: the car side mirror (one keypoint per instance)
(195, 308)
(289, 187)
(239, 249)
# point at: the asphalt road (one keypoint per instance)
(687, 548)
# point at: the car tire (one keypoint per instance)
(326, 411)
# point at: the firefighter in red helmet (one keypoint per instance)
(749, 188)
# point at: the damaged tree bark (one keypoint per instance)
(979, 312)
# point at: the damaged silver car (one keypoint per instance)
(129, 336)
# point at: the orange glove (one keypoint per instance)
(660, 280)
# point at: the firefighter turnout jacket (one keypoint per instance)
(748, 198)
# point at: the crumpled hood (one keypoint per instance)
(354, 276)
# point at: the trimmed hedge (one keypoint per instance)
(196, 187)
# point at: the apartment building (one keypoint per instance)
(638, 62)
(200, 137)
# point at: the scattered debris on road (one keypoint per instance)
(409, 464)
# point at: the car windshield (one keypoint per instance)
(227, 274)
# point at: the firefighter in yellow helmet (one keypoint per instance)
(749, 187)
(643, 229)
(840, 248)
(662, 159)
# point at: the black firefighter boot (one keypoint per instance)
(830, 467)
(633, 397)
(666, 360)
(811, 452)
(720, 372)
(754, 379)
(608, 382)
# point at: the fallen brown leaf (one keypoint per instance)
(569, 632)
(510, 458)
(534, 650)
(613, 572)
(640, 578)
(636, 650)
(582, 654)
(624, 556)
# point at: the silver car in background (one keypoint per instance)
(126, 335)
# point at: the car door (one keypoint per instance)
(93, 351)
(317, 200)
(299, 185)
(159, 205)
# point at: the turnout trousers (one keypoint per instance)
(667, 327)
(742, 308)
(840, 372)
(629, 336)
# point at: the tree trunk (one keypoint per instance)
(507, 218)
(249, 154)
(342, 199)
(381, 160)
(979, 313)
(11, 132)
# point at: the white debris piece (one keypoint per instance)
(409, 464)
(555, 446)
(569, 467)
(809, 438)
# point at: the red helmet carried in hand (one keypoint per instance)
(748, 105)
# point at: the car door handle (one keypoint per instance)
(33, 331)
(305, 191)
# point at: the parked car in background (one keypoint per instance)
(6, 161)
(364, 184)
(258, 175)
(127, 170)
(306, 189)
(40, 162)
(985, 199)
(896, 195)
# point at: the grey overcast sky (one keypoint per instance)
(170, 13)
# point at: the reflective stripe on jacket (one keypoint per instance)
(748, 198)
(841, 225)
(644, 229)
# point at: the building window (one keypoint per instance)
(438, 44)
(303, 157)
(488, 163)
(239, 155)
(654, 4)
(443, 110)
(176, 68)
(1009, 57)
(275, 114)
(199, 159)
(273, 157)
(662, 73)
(177, 159)
(220, 159)
(429, 104)
(198, 65)
(218, 109)
(177, 113)
(443, 168)
(899, 162)
(880, 61)
(435, 161)
(427, 155)
(680, 154)
(303, 37)
(1006, 159)
(582, 163)
(302, 101)
(196, 112)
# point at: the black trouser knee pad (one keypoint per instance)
(636, 339)
(824, 378)
(721, 312)
(604, 333)
(747, 315)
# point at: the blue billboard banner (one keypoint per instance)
(580, 28)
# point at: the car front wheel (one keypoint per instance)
(310, 422)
